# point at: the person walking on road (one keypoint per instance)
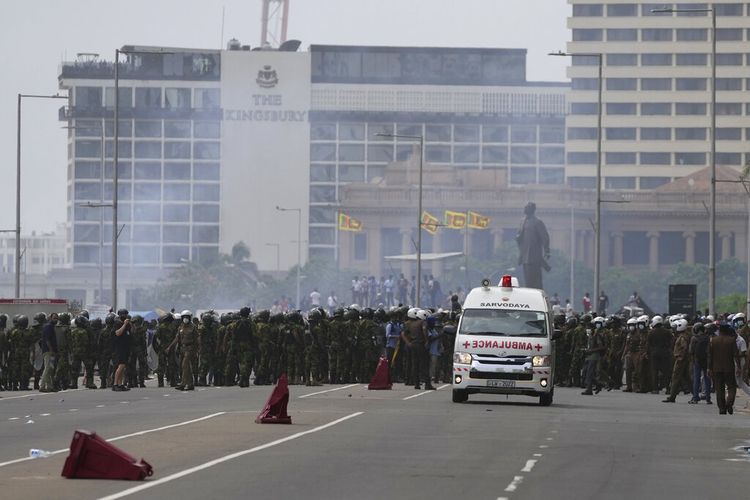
(680, 354)
(49, 351)
(722, 355)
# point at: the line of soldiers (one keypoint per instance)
(653, 354)
(82, 345)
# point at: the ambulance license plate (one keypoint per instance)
(506, 384)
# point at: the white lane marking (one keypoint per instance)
(14, 418)
(537, 454)
(44, 414)
(226, 458)
(549, 439)
(542, 446)
(139, 433)
(502, 498)
(38, 394)
(124, 402)
(514, 484)
(73, 409)
(416, 395)
(529, 466)
(329, 390)
(443, 386)
(100, 406)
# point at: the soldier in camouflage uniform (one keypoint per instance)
(242, 347)
(563, 347)
(630, 356)
(104, 350)
(367, 340)
(262, 334)
(165, 334)
(207, 336)
(18, 365)
(187, 339)
(62, 368)
(643, 367)
(294, 332)
(137, 369)
(81, 352)
(578, 350)
(351, 354)
(615, 351)
(221, 349)
(314, 335)
(337, 331)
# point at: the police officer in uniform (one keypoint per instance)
(187, 340)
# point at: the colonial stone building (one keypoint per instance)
(641, 229)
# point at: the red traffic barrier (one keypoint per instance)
(382, 378)
(275, 410)
(91, 457)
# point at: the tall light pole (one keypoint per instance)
(598, 217)
(712, 192)
(299, 246)
(419, 138)
(18, 183)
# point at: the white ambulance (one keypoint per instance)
(504, 343)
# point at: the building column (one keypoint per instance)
(726, 245)
(689, 247)
(740, 246)
(653, 250)
(617, 239)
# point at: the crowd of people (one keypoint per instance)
(674, 354)
(186, 350)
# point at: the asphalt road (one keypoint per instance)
(348, 442)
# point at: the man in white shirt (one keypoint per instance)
(315, 298)
(333, 303)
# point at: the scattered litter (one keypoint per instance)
(37, 453)
(27, 416)
(350, 395)
(30, 421)
(488, 409)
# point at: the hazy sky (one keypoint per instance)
(37, 35)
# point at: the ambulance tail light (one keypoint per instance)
(506, 281)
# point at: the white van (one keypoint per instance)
(504, 343)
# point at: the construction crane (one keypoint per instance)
(274, 23)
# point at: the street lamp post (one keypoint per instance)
(419, 138)
(598, 216)
(299, 246)
(712, 192)
(18, 184)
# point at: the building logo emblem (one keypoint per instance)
(267, 77)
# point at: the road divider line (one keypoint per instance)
(226, 458)
(329, 390)
(38, 394)
(118, 438)
(443, 386)
(416, 395)
(529, 466)
(517, 480)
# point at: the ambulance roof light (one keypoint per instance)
(485, 283)
(507, 281)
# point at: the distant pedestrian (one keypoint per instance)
(49, 352)
(586, 303)
(332, 302)
(315, 298)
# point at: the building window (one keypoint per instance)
(206, 192)
(351, 131)
(495, 154)
(620, 134)
(351, 173)
(585, 61)
(692, 59)
(622, 59)
(150, 149)
(322, 173)
(690, 158)
(351, 152)
(622, 84)
(323, 132)
(88, 191)
(205, 213)
(494, 133)
(88, 170)
(619, 182)
(206, 99)
(176, 129)
(728, 9)
(177, 171)
(621, 108)
(729, 84)
(584, 84)
(656, 59)
(691, 84)
(176, 150)
(729, 34)
(580, 158)
(438, 154)
(584, 108)
(176, 213)
(622, 35)
(207, 130)
(653, 182)
(525, 134)
(552, 135)
(438, 133)
(146, 233)
(374, 129)
(88, 97)
(88, 128)
(205, 234)
(622, 10)
(655, 158)
(729, 108)
(692, 6)
(147, 191)
(176, 192)
(582, 182)
(126, 97)
(206, 151)
(323, 152)
(591, 10)
(466, 133)
(146, 212)
(175, 254)
(587, 35)
(620, 158)
(321, 215)
(86, 254)
(322, 194)
(360, 246)
(466, 154)
(88, 149)
(690, 134)
(384, 152)
(690, 108)
(582, 134)
(147, 128)
(728, 158)
(728, 134)
(177, 98)
(729, 59)
(148, 97)
(656, 108)
(656, 84)
(551, 176)
(176, 233)
(147, 170)
(656, 35)
(523, 176)
(523, 155)
(692, 34)
(552, 156)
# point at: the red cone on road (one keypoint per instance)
(275, 410)
(91, 457)
(382, 378)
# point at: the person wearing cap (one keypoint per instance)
(722, 356)
(433, 347)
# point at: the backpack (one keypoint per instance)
(700, 350)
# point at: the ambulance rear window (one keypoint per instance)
(503, 323)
